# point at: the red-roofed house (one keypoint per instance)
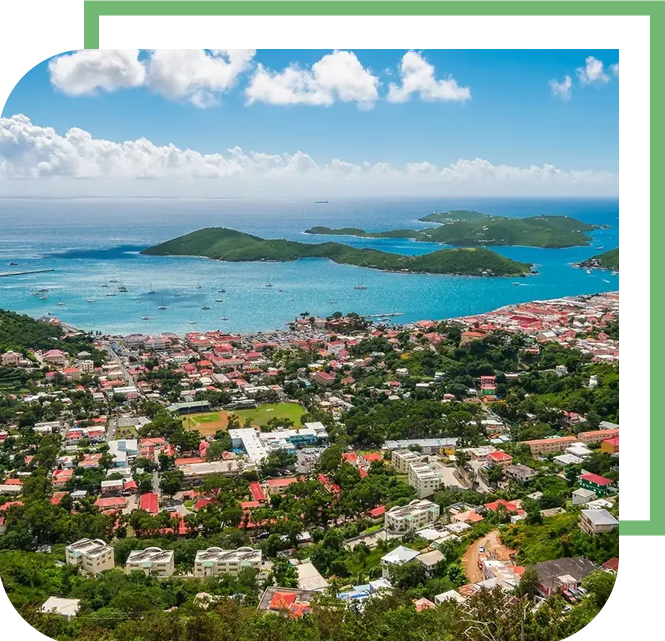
(599, 485)
(510, 507)
(111, 503)
(257, 491)
(150, 502)
(499, 458)
(377, 513)
(278, 486)
(324, 379)
(610, 445)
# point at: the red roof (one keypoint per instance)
(595, 479)
(511, 507)
(249, 505)
(349, 457)
(282, 482)
(282, 600)
(257, 491)
(9, 504)
(111, 502)
(612, 564)
(57, 497)
(375, 512)
(370, 458)
(499, 456)
(150, 502)
(363, 473)
(189, 460)
(614, 441)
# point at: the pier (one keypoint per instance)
(32, 271)
(384, 315)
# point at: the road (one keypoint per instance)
(494, 549)
(118, 361)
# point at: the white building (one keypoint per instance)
(398, 556)
(401, 459)
(215, 561)
(64, 607)
(92, 556)
(423, 479)
(153, 560)
(413, 516)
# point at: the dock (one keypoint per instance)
(32, 271)
(384, 315)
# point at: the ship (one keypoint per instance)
(122, 289)
(162, 307)
(205, 307)
(111, 294)
(61, 303)
(360, 287)
(113, 280)
(224, 318)
(91, 300)
(320, 202)
(146, 317)
(219, 300)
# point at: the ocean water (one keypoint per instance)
(88, 242)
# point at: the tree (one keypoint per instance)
(330, 459)
(600, 585)
(529, 583)
(171, 482)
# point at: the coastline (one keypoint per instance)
(370, 317)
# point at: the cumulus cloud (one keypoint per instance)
(85, 72)
(418, 78)
(195, 75)
(615, 70)
(338, 76)
(33, 156)
(592, 73)
(562, 90)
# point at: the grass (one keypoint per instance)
(210, 422)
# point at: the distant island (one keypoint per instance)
(234, 246)
(606, 260)
(464, 228)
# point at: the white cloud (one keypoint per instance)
(418, 78)
(39, 160)
(338, 76)
(196, 75)
(85, 72)
(592, 73)
(615, 70)
(562, 90)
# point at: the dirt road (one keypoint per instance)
(493, 548)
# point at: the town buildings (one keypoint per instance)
(413, 516)
(92, 556)
(215, 561)
(153, 561)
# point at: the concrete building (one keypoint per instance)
(520, 473)
(413, 516)
(399, 556)
(582, 496)
(597, 436)
(597, 522)
(92, 556)
(427, 445)
(562, 574)
(401, 459)
(545, 446)
(64, 607)
(425, 481)
(154, 561)
(215, 561)
(195, 473)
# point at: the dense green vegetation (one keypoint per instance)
(234, 246)
(471, 228)
(606, 260)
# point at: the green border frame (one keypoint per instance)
(651, 531)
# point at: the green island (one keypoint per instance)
(230, 245)
(473, 228)
(606, 260)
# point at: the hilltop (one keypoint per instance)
(472, 228)
(234, 246)
(606, 260)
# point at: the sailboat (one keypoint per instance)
(91, 300)
(146, 317)
(198, 285)
(151, 290)
(105, 285)
(61, 304)
(205, 307)
(360, 286)
(162, 307)
(268, 284)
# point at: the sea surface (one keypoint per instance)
(89, 242)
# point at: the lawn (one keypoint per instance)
(210, 422)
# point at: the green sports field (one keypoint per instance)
(211, 422)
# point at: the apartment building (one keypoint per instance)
(597, 522)
(215, 561)
(153, 561)
(423, 479)
(545, 446)
(596, 436)
(413, 516)
(520, 473)
(401, 459)
(92, 556)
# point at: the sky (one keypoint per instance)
(287, 122)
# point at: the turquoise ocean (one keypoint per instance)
(90, 242)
